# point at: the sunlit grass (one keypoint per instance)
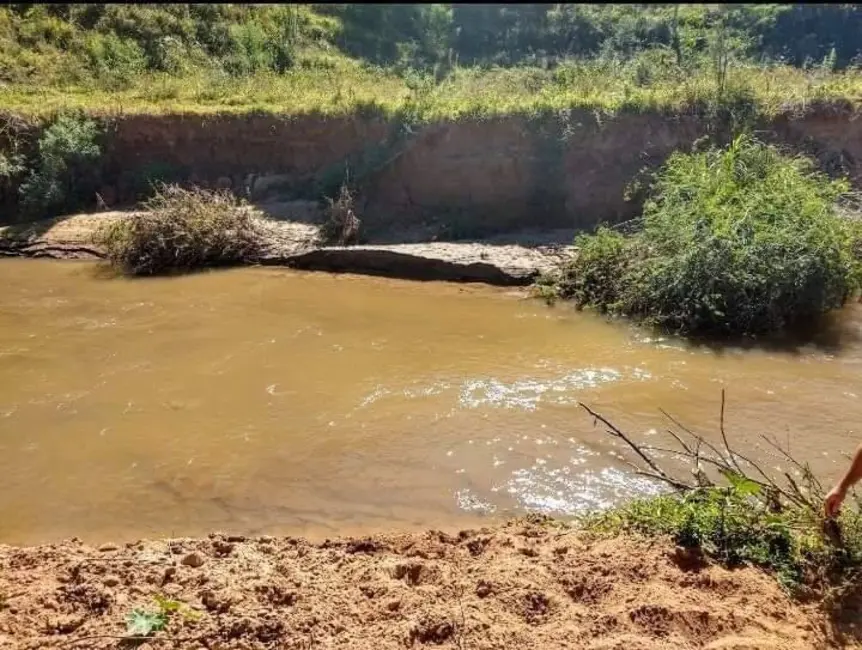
(341, 87)
(323, 91)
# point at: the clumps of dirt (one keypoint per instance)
(432, 630)
(476, 590)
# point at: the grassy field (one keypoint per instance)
(424, 62)
(350, 87)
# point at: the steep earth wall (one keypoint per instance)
(457, 179)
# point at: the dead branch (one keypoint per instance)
(680, 441)
(804, 469)
(726, 461)
(697, 437)
(724, 436)
(655, 470)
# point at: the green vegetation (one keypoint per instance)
(743, 240)
(56, 169)
(140, 622)
(75, 65)
(64, 173)
(450, 60)
(183, 230)
(733, 510)
(733, 526)
(145, 622)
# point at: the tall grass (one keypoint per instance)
(290, 58)
(342, 86)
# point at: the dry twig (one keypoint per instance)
(728, 462)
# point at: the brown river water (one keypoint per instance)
(269, 401)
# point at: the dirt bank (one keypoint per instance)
(464, 178)
(523, 585)
(292, 244)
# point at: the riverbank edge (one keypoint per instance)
(530, 583)
(292, 245)
(470, 176)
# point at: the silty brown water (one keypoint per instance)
(270, 401)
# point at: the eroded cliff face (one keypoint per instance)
(511, 173)
(469, 178)
(459, 179)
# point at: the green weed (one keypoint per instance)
(732, 526)
(144, 622)
(729, 508)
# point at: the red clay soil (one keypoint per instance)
(522, 585)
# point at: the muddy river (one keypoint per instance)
(270, 401)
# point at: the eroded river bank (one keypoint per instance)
(524, 585)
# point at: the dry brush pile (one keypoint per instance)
(184, 229)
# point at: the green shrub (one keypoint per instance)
(725, 506)
(602, 259)
(744, 240)
(65, 174)
(732, 526)
(113, 60)
(250, 51)
(181, 230)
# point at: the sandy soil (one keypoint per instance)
(70, 237)
(523, 585)
(514, 260)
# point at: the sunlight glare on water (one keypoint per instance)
(266, 400)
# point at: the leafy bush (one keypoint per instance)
(728, 524)
(738, 241)
(11, 164)
(114, 60)
(183, 230)
(254, 48)
(65, 174)
(594, 277)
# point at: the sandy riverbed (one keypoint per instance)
(508, 261)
